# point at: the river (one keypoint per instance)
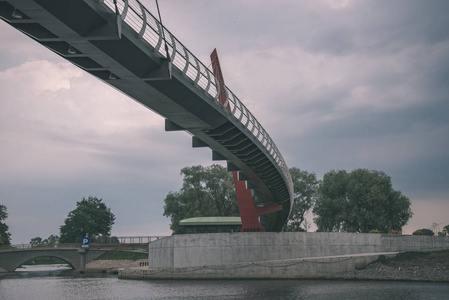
(59, 283)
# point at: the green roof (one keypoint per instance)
(211, 221)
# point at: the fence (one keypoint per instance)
(104, 241)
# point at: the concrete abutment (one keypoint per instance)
(272, 255)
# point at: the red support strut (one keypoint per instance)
(249, 213)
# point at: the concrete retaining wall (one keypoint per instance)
(317, 267)
(193, 250)
(272, 255)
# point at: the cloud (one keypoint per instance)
(67, 135)
(74, 124)
(337, 85)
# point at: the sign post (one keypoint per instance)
(85, 242)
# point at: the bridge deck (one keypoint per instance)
(122, 46)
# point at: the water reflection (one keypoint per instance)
(63, 284)
(43, 268)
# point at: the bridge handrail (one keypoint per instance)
(139, 239)
(122, 240)
(149, 29)
(41, 246)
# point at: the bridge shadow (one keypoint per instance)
(44, 263)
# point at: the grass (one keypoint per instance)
(436, 251)
(417, 254)
(408, 256)
(120, 254)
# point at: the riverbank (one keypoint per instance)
(430, 266)
(112, 266)
(113, 260)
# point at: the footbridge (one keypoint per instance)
(75, 256)
(13, 256)
(123, 44)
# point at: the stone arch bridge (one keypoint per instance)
(76, 257)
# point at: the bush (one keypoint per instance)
(426, 231)
(374, 231)
(393, 232)
(417, 232)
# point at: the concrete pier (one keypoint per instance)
(272, 255)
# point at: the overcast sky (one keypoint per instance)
(337, 85)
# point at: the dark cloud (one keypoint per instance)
(337, 85)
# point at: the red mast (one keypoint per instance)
(249, 213)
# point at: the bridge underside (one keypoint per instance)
(89, 35)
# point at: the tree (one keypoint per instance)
(206, 192)
(36, 241)
(305, 186)
(51, 240)
(446, 230)
(5, 236)
(91, 218)
(360, 201)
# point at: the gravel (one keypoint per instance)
(410, 266)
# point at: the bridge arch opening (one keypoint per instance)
(44, 263)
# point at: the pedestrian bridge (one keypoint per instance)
(121, 43)
(76, 257)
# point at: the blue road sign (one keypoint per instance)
(85, 242)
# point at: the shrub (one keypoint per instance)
(417, 232)
(393, 232)
(374, 231)
(426, 231)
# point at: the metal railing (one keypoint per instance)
(138, 239)
(149, 29)
(115, 241)
(39, 246)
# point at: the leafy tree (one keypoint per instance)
(36, 241)
(305, 186)
(5, 236)
(206, 192)
(446, 230)
(360, 201)
(51, 240)
(91, 218)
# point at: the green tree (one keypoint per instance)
(36, 241)
(91, 218)
(206, 192)
(305, 185)
(360, 201)
(446, 230)
(52, 239)
(5, 236)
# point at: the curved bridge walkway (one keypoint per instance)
(123, 44)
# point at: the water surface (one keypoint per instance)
(56, 283)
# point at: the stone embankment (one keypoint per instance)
(112, 266)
